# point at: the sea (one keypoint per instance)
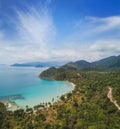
(21, 87)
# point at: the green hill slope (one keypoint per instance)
(110, 63)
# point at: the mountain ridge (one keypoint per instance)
(109, 63)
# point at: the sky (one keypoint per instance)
(58, 30)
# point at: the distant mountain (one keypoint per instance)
(82, 63)
(109, 63)
(70, 65)
(106, 64)
(38, 64)
(76, 65)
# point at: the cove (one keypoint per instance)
(21, 86)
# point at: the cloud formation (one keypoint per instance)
(92, 38)
(106, 24)
(34, 31)
(35, 26)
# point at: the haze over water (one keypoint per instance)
(23, 86)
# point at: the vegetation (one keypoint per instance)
(109, 64)
(86, 107)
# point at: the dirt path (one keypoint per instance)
(109, 95)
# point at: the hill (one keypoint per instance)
(112, 62)
(83, 63)
(71, 66)
(109, 63)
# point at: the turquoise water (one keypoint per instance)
(23, 86)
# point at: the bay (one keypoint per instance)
(22, 86)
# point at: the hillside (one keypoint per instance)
(83, 63)
(71, 66)
(112, 62)
(109, 63)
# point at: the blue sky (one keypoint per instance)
(64, 30)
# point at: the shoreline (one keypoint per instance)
(74, 85)
(10, 105)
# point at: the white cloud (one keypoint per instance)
(95, 38)
(36, 34)
(35, 27)
(106, 47)
(12, 54)
(106, 24)
(35, 31)
(94, 26)
(93, 51)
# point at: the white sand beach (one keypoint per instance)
(9, 104)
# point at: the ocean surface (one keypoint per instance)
(22, 86)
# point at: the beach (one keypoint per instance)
(24, 87)
(71, 83)
(10, 105)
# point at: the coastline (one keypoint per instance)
(74, 85)
(10, 105)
